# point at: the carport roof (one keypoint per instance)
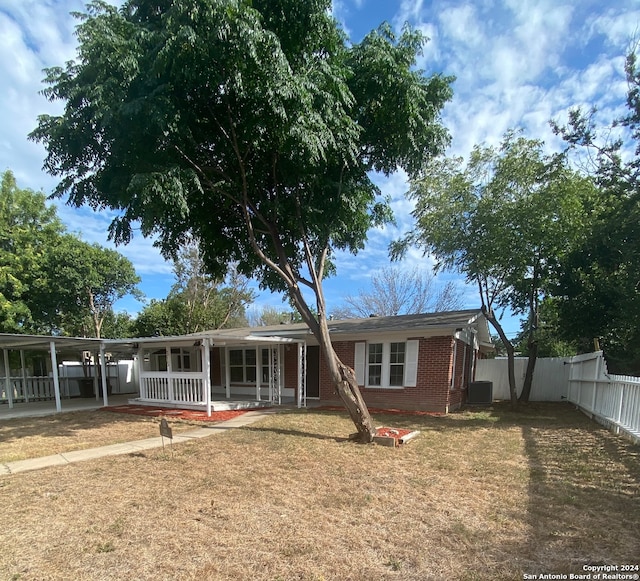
(18, 342)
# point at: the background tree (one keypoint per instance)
(50, 281)
(505, 221)
(267, 315)
(598, 292)
(394, 291)
(84, 282)
(251, 127)
(197, 301)
(28, 229)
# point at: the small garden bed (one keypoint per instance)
(393, 437)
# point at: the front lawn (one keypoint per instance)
(478, 495)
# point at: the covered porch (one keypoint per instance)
(210, 371)
(217, 371)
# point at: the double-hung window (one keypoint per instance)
(390, 364)
(242, 365)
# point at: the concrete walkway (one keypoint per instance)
(130, 447)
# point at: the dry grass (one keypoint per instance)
(478, 495)
(22, 438)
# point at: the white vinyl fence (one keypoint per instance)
(550, 379)
(612, 400)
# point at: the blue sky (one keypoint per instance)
(518, 63)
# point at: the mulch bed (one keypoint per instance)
(177, 414)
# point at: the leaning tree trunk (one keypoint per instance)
(511, 358)
(346, 385)
(343, 377)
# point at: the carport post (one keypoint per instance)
(7, 374)
(54, 371)
(103, 369)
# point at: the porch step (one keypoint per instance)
(216, 405)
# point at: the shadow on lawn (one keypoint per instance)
(584, 494)
(298, 433)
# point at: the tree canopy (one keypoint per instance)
(28, 228)
(251, 126)
(50, 280)
(597, 296)
(505, 220)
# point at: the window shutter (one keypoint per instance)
(360, 362)
(411, 366)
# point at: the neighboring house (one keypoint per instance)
(419, 362)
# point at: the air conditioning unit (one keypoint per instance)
(480, 393)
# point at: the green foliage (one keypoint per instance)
(251, 126)
(28, 228)
(51, 281)
(505, 220)
(598, 292)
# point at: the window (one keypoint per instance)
(374, 368)
(242, 365)
(387, 364)
(396, 364)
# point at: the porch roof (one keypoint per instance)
(13, 341)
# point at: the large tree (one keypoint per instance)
(400, 292)
(597, 296)
(84, 282)
(504, 220)
(28, 229)
(252, 126)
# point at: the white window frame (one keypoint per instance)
(409, 365)
(255, 366)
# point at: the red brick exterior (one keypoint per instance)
(433, 390)
(433, 387)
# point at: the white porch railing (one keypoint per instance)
(172, 387)
(30, 388)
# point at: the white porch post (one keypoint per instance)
(96, 386)
(258, 371)
(7, 378)
(302, 367)
(167, 351)
(103, 369)
(227, 373)
(206, 373)
(54, 371)
(23, 369)
(139, 367)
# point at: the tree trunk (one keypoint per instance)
(343, 377)
(528, 377)
(511, 360)
(346, 385)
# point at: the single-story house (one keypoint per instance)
(418, 362)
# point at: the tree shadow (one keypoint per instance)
(583, 494)
(297, 433)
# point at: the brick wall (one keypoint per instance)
(435, 359)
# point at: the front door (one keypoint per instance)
(313, 372)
